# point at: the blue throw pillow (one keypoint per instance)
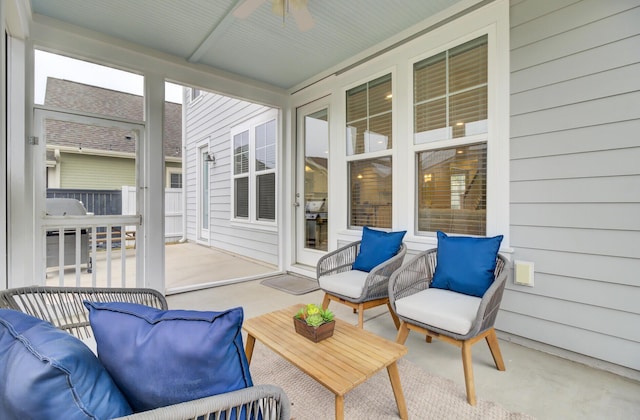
(377, 247)
(159, 358)
(46, 373)
(466, 264)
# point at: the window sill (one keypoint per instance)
(249, 225)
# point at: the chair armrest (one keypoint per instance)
(269, 400)
(338, 261)
(490, 303)
(377, 283)
(414, 276)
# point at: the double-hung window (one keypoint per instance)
(450, 139)
(254, 169)
(369, 143)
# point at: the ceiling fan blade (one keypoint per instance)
(303, 17)
(246, 8)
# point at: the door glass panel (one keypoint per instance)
(316, 154)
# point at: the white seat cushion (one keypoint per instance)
(440, 308)
(348, 283)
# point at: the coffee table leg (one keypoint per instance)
(339, 407)
(394, 377)
(251, 342)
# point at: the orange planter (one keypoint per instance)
(314, 334)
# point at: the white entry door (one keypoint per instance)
(312, 187)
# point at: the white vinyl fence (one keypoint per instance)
(172, 210)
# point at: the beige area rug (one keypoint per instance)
(292, 284)
(428, 396)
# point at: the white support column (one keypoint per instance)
(150, 263)
(3, 157)
(22, 214)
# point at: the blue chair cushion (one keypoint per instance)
(466, 264)
(46, 373)
(377, 247)
(159, 358)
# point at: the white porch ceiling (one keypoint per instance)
(259, 47)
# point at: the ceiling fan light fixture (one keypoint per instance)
(298, 8)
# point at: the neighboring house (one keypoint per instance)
(554, 112)
(84, 156)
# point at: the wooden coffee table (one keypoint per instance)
(339, 363)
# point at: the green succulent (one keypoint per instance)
(313, 309)
(327, 315)
(315, 320)
(314, 315)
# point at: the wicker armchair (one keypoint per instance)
(416, 276)
(375, 289)
(64, 308)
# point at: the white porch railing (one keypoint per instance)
(78, 241)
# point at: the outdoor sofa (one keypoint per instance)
(63, 307)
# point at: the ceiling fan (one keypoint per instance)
(298, 9)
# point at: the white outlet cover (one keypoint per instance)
(523, 273)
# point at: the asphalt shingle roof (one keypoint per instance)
(96, 100)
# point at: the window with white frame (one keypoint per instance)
(450, 139)
(194, 94)
(369, 143)
(174, 177)
(254, 169)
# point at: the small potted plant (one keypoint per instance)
(314, 323)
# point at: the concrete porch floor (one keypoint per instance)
(535, 383)
(187, 266)
(191, 265)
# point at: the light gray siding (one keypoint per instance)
(211, 117)
(575, 176)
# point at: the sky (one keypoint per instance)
(47, 64)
